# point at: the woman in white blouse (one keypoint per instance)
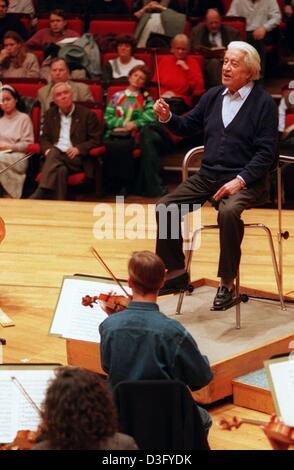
(16, 132)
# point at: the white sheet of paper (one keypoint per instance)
(73, 320)
(16, 413)
(282, 375)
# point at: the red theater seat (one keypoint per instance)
(104, 27)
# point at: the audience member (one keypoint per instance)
(78, 413)
(261, 18)
(288, 14)
(9, 22)
(158, 17)
(70, 131)
(211, 34)
(56, 32)
(180, 76)
(287, 102)
(200, 7)
(16, 132)
(120, 66)
(21, 6)
(158, 347)
(15, 61)
(59, 72)
(126, 113)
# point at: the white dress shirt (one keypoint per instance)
(64, 142)
(232, 103)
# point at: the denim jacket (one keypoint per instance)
(141, 343)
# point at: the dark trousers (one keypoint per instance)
(197, 190)
(56, 168)
(153, 142)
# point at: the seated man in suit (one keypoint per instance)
(59, 72)
(141, 343)
(69, 132)
(210, 34)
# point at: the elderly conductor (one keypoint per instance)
(239, 120)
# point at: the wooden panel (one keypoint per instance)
(84, 354)
(252, 397)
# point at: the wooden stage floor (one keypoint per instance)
(46, 240)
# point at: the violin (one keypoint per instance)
(24, 440)
(279, 434)
(110, 302)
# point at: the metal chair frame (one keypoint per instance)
(197, 152)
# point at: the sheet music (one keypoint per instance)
(282, 381)
(73, 320)
(16, 413)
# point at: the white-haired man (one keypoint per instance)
(239, 120)
(70, 130)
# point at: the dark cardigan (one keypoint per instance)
(246, 147)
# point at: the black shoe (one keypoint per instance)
(224, 297)
(42, 193)
(175, 285)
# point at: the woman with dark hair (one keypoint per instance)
(78, 414)
(15, 61)
(120, 66)
(16, 132)
(127, 112)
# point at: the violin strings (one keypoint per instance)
(157, 74)
(97, 256)
(23, 391)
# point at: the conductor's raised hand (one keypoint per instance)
(161, 109)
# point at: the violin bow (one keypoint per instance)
(157, 74)
(23, 391)
(25, 157)
(99, 258)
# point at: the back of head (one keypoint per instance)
(252, 58)
(147, 272)
(78, 411)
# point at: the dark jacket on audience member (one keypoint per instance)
(85, 132)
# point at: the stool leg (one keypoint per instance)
(275, 266)
(238, 307)
(189, 254)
